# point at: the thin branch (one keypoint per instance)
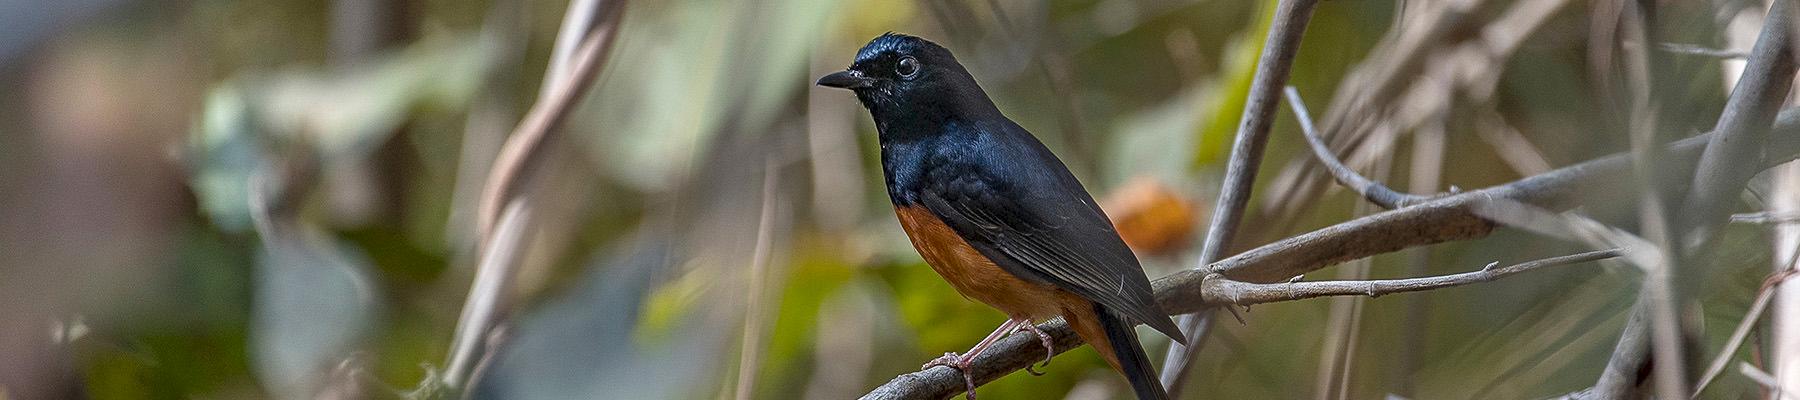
(1656, 314)
(1763, 296)
(481, 309)
(1375, 192)
(519, 157)
(1396, 89)
(1728, 162)
(1698, 50)
(1444, 219)
(522, 152)
(1766, 217)
(1619, 380)
(1244, 293)
(1272, 67)
(1744, 126)
(580, 21)
(1274, 64)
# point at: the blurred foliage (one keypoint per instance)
(653, 213)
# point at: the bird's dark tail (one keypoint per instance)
(1133, 363)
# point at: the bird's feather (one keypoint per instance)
(1032, 217)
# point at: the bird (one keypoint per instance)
(996, 214)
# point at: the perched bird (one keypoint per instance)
(995, 213)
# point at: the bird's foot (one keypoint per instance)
(1049, 347)
(951, 360)
(961, 365)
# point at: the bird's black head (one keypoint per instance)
(902, 78)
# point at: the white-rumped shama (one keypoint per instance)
(995, 213)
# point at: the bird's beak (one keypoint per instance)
(846, 80)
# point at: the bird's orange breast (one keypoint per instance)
(972, 273)
(977, 277)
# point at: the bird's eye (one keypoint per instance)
(907, 67)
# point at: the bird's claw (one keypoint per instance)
(961, 365)
(951, 360)
(1049, 347)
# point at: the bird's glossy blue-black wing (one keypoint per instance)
(1066, 242)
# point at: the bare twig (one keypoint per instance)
(1276, 60)
(492, 278)
(1445, 219)
(1766, 217)
(1619, 380)
(1763, 296)
(1659, 296)
(522, 153)
(1698, 50)
(1399, 88)
(1743, 127)
(1721, 172)
(1256, 293)
(1375, 192)
(1453, 217)
(1273, 65)
(581, 20)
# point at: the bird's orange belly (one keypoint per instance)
(973, 274)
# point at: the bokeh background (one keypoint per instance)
(216, 199)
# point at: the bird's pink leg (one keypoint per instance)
(961, 362)
(1049, 346)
